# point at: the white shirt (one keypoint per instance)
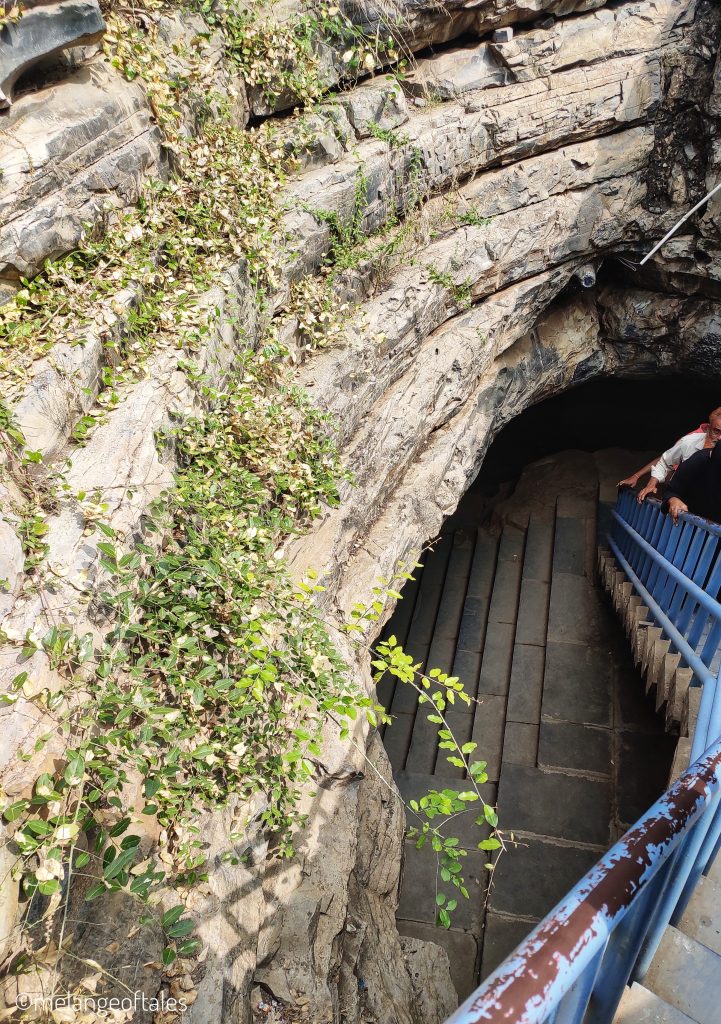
(687, 446)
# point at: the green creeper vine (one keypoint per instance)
(216, 672)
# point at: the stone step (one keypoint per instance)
(666, 682)
(714, 872)
(702, 918)
(477, 570)
(532, 621)
(483, 567)
(641, 1006)
(569, 549)
(538, 555)
(655, 674)
(681, 759)
(642, 643)
(555, 805)
(691, 704)
(687, 974)
(672, 691)
(501, 936)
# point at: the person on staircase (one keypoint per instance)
(704, 437)
(696, 486)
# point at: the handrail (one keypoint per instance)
(712, 606)
(700, 670)
(683, 517)
(531, 982)
(575, 964)
(692, 659)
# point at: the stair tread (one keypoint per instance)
(641, 1006)
(702, 918)
(714, 872)
(680, 758)
(687, 974)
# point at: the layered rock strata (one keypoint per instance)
(581, 139)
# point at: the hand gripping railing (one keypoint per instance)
(574, 966)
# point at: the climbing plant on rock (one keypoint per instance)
(208, 673)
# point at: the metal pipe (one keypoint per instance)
(678, 223)
(622, 951)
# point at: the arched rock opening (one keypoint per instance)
(507, 601)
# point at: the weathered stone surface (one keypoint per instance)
(544, 148)
(12, 558)
(9, 892)
(420, 22)
(42, 32)
(68, 153)
(374, 106)
(427, 963)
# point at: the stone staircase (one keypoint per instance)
(575, 752)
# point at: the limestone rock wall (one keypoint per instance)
(573, 142)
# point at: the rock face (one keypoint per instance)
(70, 153)
(513, 161)
(41, 33)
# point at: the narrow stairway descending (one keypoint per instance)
(575, 748)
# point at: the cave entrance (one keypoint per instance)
(508, 601)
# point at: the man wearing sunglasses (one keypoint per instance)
(705, 436)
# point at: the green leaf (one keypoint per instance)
(490, 815)
(440, 899)
(151, 787)
(182, 927)
(95, 891)
(52, 885)
(172, 915)
(75, 769)
(168, 956)
(118, 864)
(13, 811)
(489, 844)
(444, 918)
(189, 947)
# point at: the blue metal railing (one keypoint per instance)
(574, 966)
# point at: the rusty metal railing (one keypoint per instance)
(575, 964)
